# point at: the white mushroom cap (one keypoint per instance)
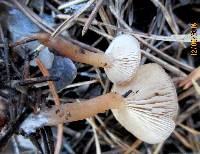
(125, 51)
(151, 107)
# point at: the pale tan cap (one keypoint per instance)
(126, 56)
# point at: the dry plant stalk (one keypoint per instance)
(187, 82)
(57, 103)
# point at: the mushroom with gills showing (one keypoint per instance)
(148, 112)
(120, 60)
(152, 107)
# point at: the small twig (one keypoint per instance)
(187, 82)
(92, 123)
(133, 146)
(80, 84)
(67, 23)
(6, 59)
(113, 137)
(22, 41)
(13, 128)
(44, 138)
(165, 56)
(164, 64)
(92, 16)
(31, 81)
(186, 114)
(158, 148)
(57, 102)
(6, 53)
(191, 130)
(183, 140)
(49, 135)
(167, 16)
(186, 93)
(36, 143)
(104, 17)
(51, 84)
(68, 4)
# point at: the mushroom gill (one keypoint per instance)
(152, 106)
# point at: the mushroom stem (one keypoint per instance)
(66, 48)
(120, 60)
(81, 110)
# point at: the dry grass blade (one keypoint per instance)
(133, 147)
(166, 15)
(112, 136)
(172, 38)
(105, 18)
(158, 148)
(98, 148)
(183, 140)
(92, 16)
(196, 86)
(79, 84)
(187, 113)
(186, 93)
(100, 32)
(165, 56)
(187, 82)
(189, 129)
(68, 4)
(67, 23)
(164, 64)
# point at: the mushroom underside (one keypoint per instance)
(152, 107)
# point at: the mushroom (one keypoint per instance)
(120, 60)
(152, 106)
(146, 106)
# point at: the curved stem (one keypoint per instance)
(68, 49)
(82, 110)
(57, 103)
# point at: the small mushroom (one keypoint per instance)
(120, 60)
(152, 106)
(125, 50)
(148, 112)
